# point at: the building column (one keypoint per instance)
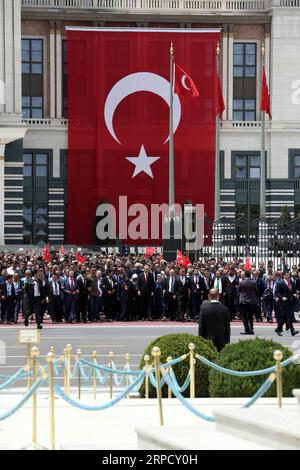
(2, 150)
(58, 71)
(10, 60)
(230, 73)
(225, 68)
(52, 70)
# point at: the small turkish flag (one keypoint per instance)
(220, 108)
(248, 264)
(46, 253)
(265, 104)
(62, 249)
(184, 85)
(150, 251)
(182, 260)
(79, 258)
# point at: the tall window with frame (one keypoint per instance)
(244, 81)
(35, 209)
(32, 79)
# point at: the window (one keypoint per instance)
(35, 208)
(32, 78)
(65, 79)
(244, 81)
(247, 166)
(297, 166)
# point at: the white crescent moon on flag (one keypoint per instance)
(183, 79)
(139, 81)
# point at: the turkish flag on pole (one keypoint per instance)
(182, 260)
(46, 253)
(183, 84)
(62, 250)
(248, 264)
(265, 104)
(220, 108)
(118, 132)
(150, 251)
(79, 258)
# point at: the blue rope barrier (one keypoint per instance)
(12, 379)
(108, 404)
(237, 373)
(118, 382)
(185, 402)
(176, 384)
(108, 369)
(153, 380)
(27, 395)
(261, 391)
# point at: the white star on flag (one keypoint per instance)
(142, 163)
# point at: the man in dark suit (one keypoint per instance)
(197, 287)
(171, 287)
(285, 292)
(70, 288)
(231, 283)
(40, 293)
(146, 288)
(182, 294)
(83, 284)
(55, 299)
(214, 321)
(9, 297)
(109, 287)
(248, 292)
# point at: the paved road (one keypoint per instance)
(113, 337)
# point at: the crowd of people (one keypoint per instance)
(114, 288)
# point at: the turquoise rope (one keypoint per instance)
(27, 395)
(176, 384)
(260, 392)
(153, 380)
(13, 378)
(110, 403)
(185, 402)
(237, 373)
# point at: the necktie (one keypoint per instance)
(72, 284)
(145, 277)
(289, 284)
(57, 290)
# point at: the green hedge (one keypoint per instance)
(176, 345)
(251, 355)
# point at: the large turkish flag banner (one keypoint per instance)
(119, 94)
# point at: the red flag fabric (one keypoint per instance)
(265, 104)
(247, 264)
(62, 249)
(118, 132)
(46, 253)
(183, 83)
(79, 258)
(149, 251)
(220, 108)
(182, 260)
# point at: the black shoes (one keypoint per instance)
(295, 332)
(278, 332)
(39, 327)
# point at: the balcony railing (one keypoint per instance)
(54, 123)
(187, 6)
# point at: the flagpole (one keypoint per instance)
(171, 143)
(262, 156)
(217, 156)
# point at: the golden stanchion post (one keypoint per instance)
(278, 357)
(111, 356)
(69, 349)
(50, 360)
(146, 368)
(52, 349)
(156, 355)
(127, 365)
(192, 370)
(79, 373)
(95, 375)
(34, 445)
(65, 371)
(169, 359)
(28, 366)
